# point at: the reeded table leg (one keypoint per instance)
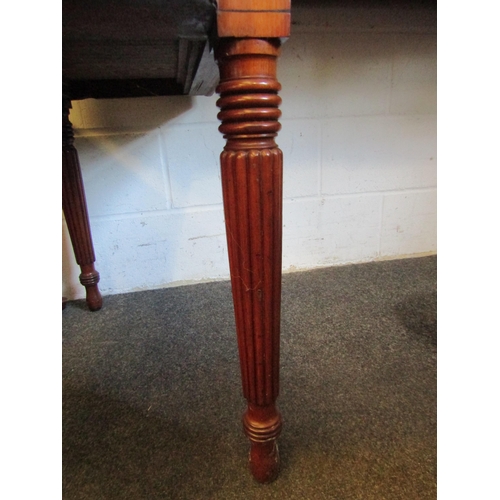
(75, 212)
(251, 166)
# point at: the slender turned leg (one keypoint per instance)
(75, 212)
(251, 167)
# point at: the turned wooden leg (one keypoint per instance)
(75, 212)
(251, 167)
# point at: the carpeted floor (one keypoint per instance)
(152, 402)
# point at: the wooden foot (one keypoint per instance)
(251, 168)
(262, 426)
(75, 212)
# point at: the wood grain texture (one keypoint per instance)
(267, 5)
(253, 24)
(252, 183)
(75, 213)
(253, 18)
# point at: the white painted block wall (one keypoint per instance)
(359, 142)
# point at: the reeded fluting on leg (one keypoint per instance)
(251, 167)
(75, 213)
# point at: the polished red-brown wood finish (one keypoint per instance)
(249, 33)
(75, 213)
(251, 168)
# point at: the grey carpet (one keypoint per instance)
(152, 400)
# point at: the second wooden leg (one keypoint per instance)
(75, 212)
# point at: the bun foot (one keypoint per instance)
(264, 461)
(94, 298)
(89, 279)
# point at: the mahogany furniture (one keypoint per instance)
(141, 47)
(75, 211)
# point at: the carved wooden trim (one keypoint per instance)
(75, 212)
(252, 183)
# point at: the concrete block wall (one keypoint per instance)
(359, 142)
